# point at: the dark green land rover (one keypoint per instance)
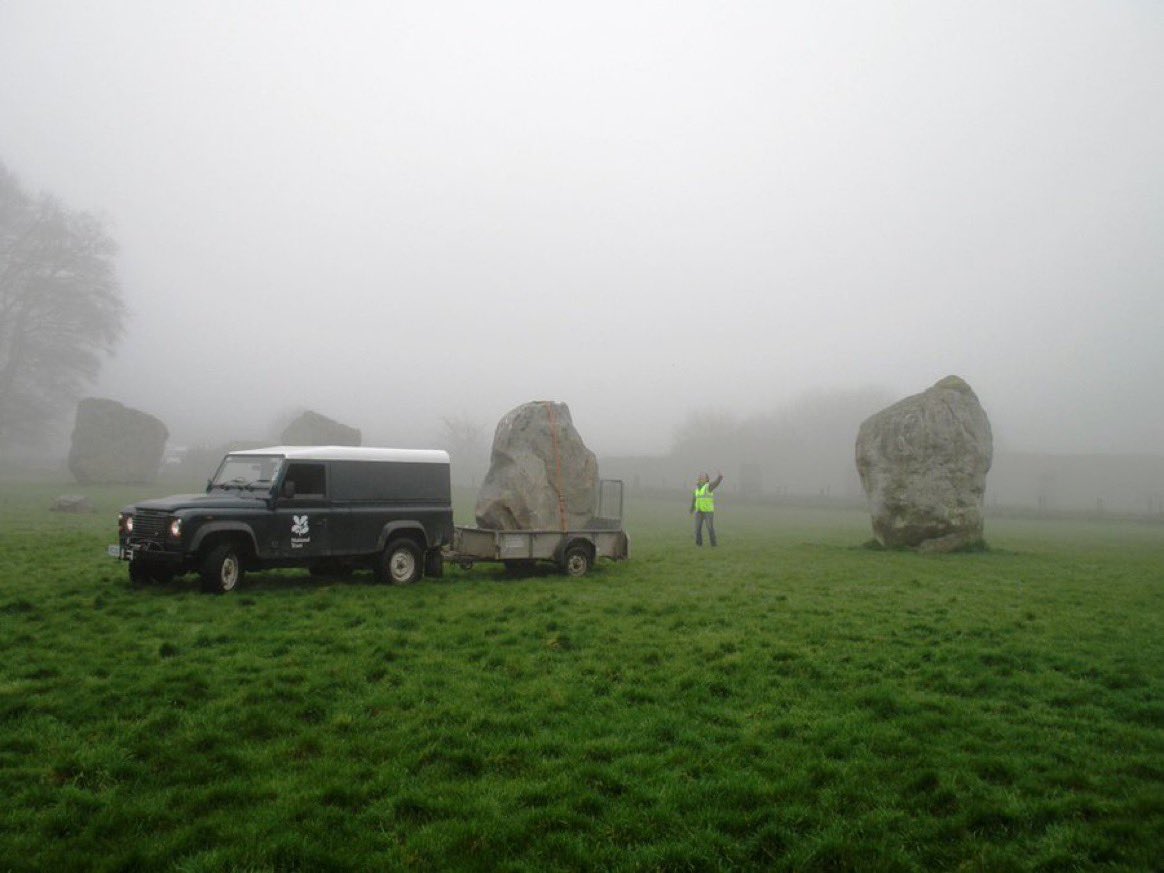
(330, 509)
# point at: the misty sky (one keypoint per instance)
(392, 212)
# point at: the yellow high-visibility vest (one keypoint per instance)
(704, 498)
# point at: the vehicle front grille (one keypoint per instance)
(149, 524)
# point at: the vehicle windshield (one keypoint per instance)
(247, 473)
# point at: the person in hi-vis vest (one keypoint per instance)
(703, 506)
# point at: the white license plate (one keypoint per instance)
(113, 551)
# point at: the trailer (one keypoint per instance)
(574, 551)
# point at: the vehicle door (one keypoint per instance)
(302, 512)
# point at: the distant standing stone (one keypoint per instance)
(923, 464)
(313, 429)
(113, 444)
(72, 503)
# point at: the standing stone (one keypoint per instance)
(313, 429)
(541, 475)
(113, 444)
(75, 504)
(923, 464)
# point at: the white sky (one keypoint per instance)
(391, 212)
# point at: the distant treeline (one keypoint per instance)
(1048, 484)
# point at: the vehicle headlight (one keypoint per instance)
(176, 528)
(126, 523)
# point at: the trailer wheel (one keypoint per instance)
(401, 563)
(577, 561)
(221, 569)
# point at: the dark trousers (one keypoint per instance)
(700, 518)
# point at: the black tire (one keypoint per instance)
(221, 569)
(401, 563)
(577, 561)
(434, 564)
(139, 573)
(143, 573)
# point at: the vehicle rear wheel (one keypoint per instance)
(401, 563)
(577, 561)
(221, 569)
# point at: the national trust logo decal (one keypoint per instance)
(300, 531)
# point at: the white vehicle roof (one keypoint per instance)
(352, 453)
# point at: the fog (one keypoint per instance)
(395, 212)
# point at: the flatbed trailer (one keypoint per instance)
(575, 551)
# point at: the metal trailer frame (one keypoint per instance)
(575, 551)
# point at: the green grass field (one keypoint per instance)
(788, 701)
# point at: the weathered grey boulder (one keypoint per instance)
(72, 503)
(113, 444)
(923, 464)
(313, 429)
(541, 475)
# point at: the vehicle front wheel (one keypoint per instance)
(577, 561)
(401, 563)
(139, 573)
(142, 573)
(221, 569)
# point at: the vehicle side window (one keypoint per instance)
(309, 479)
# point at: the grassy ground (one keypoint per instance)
(788, 701)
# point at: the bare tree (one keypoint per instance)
(706, 436)
(464, 439)
(60, 308)
(804, 447)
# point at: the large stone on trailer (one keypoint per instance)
(541, 475)
(113, 444)
(923, 463)
(313, 429)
